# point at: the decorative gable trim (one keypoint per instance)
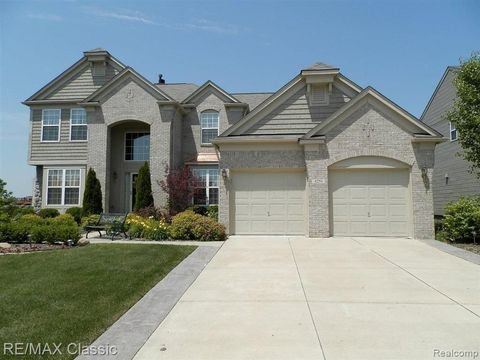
(128, 71)
(202, 88)
(360, 100)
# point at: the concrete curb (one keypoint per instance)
(452, 250)
(129, 333)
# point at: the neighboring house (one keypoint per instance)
(319, 157)
(451, 178)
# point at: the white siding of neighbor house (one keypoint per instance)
(296, 116)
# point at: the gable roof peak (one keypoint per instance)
(320, 66)
(96, 50)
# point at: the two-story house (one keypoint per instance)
(321, 156)
(451, 178)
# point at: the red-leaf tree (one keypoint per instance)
(178, 184)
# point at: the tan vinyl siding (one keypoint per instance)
(442, 102)
(61, 151)
(296, 116)
(460, 181)
(83, 84)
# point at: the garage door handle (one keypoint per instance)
(268, 213)
(369, 214)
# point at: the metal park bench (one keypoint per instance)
(113, 224)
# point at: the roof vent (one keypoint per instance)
(160, 79)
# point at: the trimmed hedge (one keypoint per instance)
(462, 219)
(76, 212)
(190, 226)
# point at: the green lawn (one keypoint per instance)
(66, 296)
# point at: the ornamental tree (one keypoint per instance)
(143, 188)
(465, 114)
(178, 184)
(92, 196)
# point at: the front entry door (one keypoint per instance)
(133, 189)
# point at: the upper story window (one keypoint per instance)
(63, 187)
(137, 146)
(50, 125)
(209, 126)
(78, 125)
(205, 186)
(453, 132)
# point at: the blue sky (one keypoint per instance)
(401, 48)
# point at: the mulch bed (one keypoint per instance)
(26, 248)
(475, 248)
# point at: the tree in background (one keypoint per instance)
(7, 201)
(92, 196)
(143, 195)
(465, 114)
(178, 184)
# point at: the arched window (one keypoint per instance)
(208, 126)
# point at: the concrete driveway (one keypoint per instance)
(338, 298)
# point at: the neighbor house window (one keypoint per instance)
(137, 146)
(78, 125)
(209, 126)
(51, 125)
(205, 186)
(63, 187)
(453, 132)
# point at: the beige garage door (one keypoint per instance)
(369, 202)
(268, 203)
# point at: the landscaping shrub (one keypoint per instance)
(144, 196)
(92, 196)
(20, 211)
(48, 213)
(76, 212)
(14, 232)
(31, 220)
(199, 209)
(52, 233)
(462, 218)
(177, 184)
(90, 220)
(212, 212)
(190, 226)
(155, 212)
(64, 219)
(147, 228)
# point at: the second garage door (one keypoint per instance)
(369, 202)
(268, 203)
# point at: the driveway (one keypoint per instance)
(338, 298)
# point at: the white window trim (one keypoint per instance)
(202, 128)
(453, 128)
(70, 137)
(207, 184)
(63, 187)
(125, 144)
(59, 127)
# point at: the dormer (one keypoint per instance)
(319, 79)
(98, 61)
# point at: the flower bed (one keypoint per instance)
(184, 226)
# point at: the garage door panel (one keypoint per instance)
(369, 202)
(268, 203)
